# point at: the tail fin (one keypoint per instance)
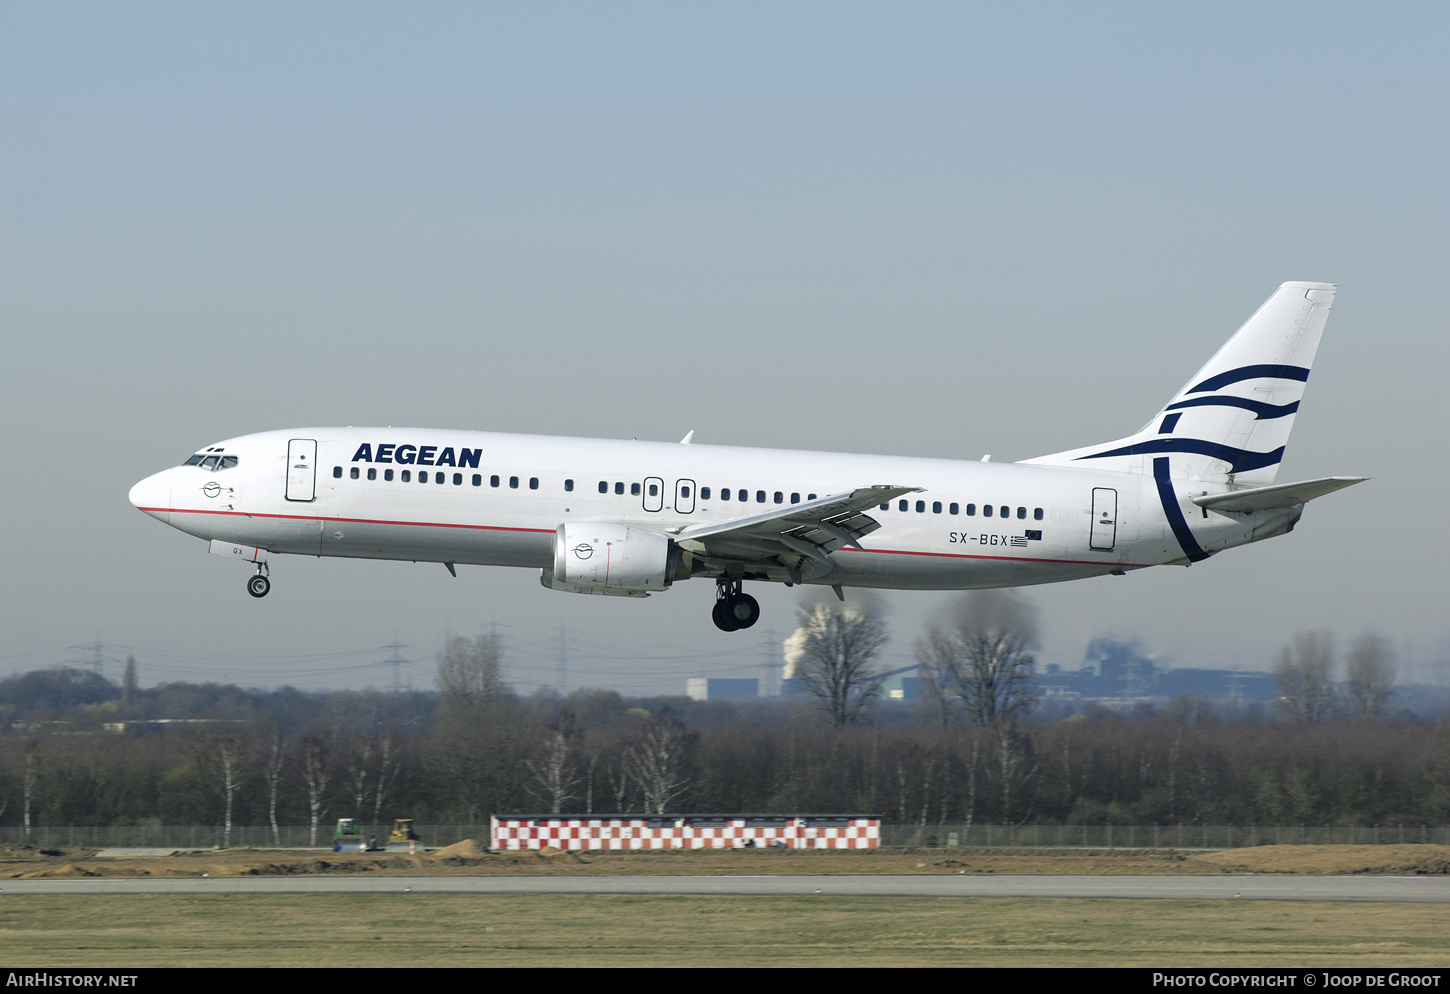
(1229, 424)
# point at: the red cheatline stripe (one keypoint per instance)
(550, 531)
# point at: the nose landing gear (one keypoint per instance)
(258, 585)
(734, 609)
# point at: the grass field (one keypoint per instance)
(608, 930)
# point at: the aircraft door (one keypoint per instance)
(684, 496)
(654, 493)
(302, 469)
(1105, 519)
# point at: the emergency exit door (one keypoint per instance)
(302, 469)
(1105, 519)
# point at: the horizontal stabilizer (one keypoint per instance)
(1279, 495)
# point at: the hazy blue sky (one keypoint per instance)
(939, 229)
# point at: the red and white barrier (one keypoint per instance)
(685, 831)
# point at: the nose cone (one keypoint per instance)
(153, 495)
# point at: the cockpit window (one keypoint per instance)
(211, 463)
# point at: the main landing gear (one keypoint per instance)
(258, 585)
(734, 609)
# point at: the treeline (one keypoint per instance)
(220, 755)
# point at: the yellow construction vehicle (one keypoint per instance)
(404, 839)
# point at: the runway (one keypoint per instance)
(1421, 889)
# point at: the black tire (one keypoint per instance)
(258, 586)
(722, 620)
(743, 610)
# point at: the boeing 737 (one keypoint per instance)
(630, 518)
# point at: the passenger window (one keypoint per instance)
(1037, 514)
(492, 480)
(704, 493)
(779, 497)
(986, 510)
(439, 478)
(568, 486)
(533, 483)
(388, 475)
(953, 508)
(744, 495)
(971, 510)
(513, 482)
(337, 472)
(619, 488)
(422, 476)
(885, 507)
(725, 493)
(936, 507)
(795, 498)
(634, 489)
(407, 476)
(478, 479)
(458, 479)
(603, 487)
(810, 496)
(902, 505)
(920, 506)
(654, 489)
(685, 492)
(1022, 514)
(1006, 511)
(353, 474)
(760, 496)
(372, 474)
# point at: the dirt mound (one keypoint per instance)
(1407, 860)
(467, 849)
(68, 870)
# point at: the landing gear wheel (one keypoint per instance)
(723, 621)
(742, 609)
(258, 586)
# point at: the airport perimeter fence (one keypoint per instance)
(892, 836)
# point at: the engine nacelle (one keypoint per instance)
(594, 557)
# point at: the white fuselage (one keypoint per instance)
(498, 500)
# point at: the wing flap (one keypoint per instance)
(812, 530)
(1279, 495)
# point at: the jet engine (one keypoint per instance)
(594, 557)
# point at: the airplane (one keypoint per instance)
(631, 518)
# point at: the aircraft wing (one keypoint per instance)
(1279, 495)
(812, 530)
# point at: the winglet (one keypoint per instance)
(688, 435)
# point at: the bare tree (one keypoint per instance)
(389, 766)
(657, 763)
(470, 673)
(272, 764)
(834, 655)
(555, 772)
(1370, 677)
(227, 750)
(984, 659)
(30, 779)
(316, 774)
(1306, 688)
(358, 759)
